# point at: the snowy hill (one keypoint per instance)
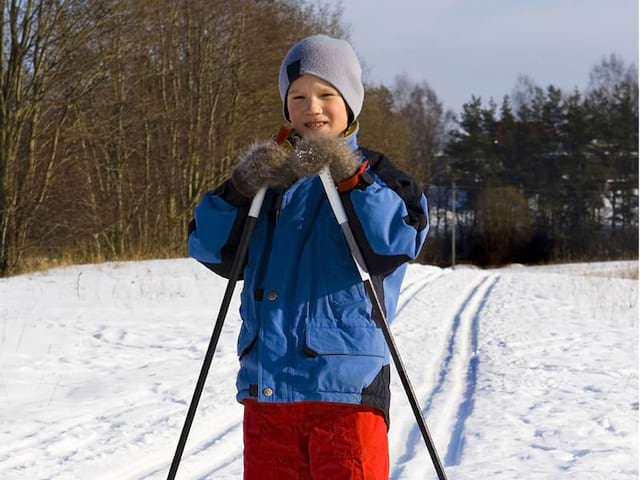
(523, 373)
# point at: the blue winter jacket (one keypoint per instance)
(307, 329)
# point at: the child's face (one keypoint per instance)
(316, 108)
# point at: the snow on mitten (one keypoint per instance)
(262, 164)
(311, 154)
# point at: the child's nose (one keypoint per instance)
(314, 105)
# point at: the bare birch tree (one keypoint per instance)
(41, 41)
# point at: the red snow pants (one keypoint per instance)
(314, 441)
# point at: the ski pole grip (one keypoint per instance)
(333, 196)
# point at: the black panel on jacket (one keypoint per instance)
(378, 393)
(228, 252)
(402, 184)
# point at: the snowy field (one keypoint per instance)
(523, 373)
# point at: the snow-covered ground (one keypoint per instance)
(523, 373)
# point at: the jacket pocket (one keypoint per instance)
(347, 294)
(345, 340)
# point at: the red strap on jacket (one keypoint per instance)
(351, 182)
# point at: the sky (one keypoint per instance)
(465, 47)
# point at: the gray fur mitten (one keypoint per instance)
(262, 164)
(311, 154)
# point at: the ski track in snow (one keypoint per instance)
(211, 462)
(455, 384)
(413, 288)
(456, 444)
(98, 367)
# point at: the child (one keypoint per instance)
(314, 368)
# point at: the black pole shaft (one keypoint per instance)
(381, 321)
(236, 270)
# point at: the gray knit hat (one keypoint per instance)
(330, 59)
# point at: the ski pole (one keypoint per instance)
(236, 269)
(379, 316)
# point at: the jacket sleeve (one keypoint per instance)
(215, 231)
(388, 215)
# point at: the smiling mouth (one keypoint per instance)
(314, 125)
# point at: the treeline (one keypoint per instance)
(117, 116)
(546, 175)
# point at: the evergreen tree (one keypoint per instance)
(466, 147)
(506, 144)
(624, 139)
(583, 184)
(612, 103)
(492, 164)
